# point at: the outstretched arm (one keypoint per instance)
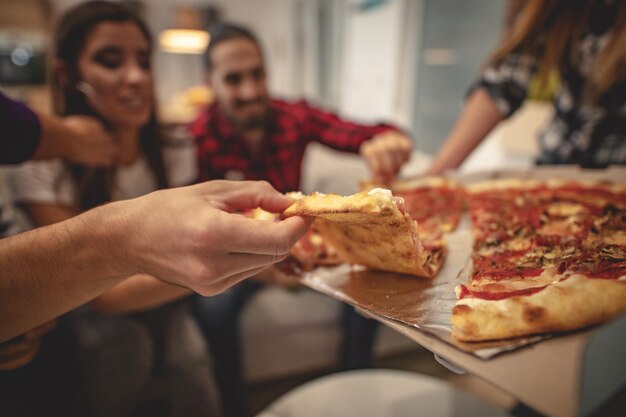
(383, 147)
(479, 116)
(189, 236)
(48, 271)
(30, 135)
(79, 139)
(385, 154)
(136, 293)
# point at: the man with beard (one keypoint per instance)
(246, 134)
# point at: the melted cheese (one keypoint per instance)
(560, 228)
(565, 209)
(296, 195)
(316, 239)
(616, 238)
(512, 245)
(380, 191)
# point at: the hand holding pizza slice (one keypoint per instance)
(311, 250)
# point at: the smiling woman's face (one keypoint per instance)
(115, 63)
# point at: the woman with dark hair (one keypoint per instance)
(134, 342)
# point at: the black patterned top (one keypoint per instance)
(583, 133)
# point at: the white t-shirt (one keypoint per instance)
(51, 182)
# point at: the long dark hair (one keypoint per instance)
(94, 184)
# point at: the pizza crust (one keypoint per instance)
(567, 305)
(356, 208)
(408, 184)
(502, 184)
(369, 229)
(524, 184)
(608, 186)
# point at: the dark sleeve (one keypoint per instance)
(508, 81)
(327, 128)
(20, 131)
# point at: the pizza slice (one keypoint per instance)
(545, 259)
(371, 228)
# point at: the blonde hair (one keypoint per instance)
(549, 29)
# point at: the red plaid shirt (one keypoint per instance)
(292, 127)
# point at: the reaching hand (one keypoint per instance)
(193, 237)
(91, 144)
(385, 154)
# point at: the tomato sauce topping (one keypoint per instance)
(487, 295)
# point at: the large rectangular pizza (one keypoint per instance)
(547, 256)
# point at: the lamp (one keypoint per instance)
(187, 37)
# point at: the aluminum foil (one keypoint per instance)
(418, 302)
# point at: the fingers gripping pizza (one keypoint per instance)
(548, 256)
(312, 249)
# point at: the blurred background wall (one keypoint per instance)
(406, 61)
